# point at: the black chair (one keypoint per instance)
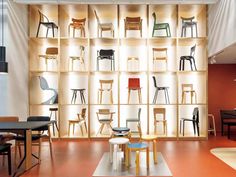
(188, 23)
(165, 89)
(227, 117)
(5, 149)
(43, 20)
(194, 120)
(106, 54)
(189, 58)
(136, 119)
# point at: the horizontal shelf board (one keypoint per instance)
(43, 41)
(163, 72)
(133, 72)
(203, 104)
(104, 72)
(192, 72)
(68, 104)
(133, 104)
(104, 41)
(53, 105)
(78, 41)
(172, 104)
(190, 41)
(133, 41)
(74, 72)
(41, 71)
(96, 104)
(162, 41)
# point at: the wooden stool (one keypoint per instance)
(188, 88)
(137, 147)
(74, 96)
(114, 142)
(54, 122)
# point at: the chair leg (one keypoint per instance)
(169, 30)
(153, 31)
(154, 151)
(47, 33)
(137, 162)
(196, 30)
(183, 126)
(168, 98)
(197, 126)
(182, 30)
(38, 30)
(155, 97)
(139, 96)
(111, 97)
(40, 145)
(81, 129)
(191, 65)
(9, 160)
(180, 126)
(69, 129)
(194, 128)
(128, 96)
(180, 65)
(194, 64)
(191, 30)
(73, 125)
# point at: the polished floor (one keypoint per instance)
(80, 158)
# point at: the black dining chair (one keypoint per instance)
(108, 55)
(5, 149)
(189, 58)
(165, 89)
(194, 120)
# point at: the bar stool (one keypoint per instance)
(213, 127)
(132, 59)
(114, 143)
(161, 55)
(74, 95)
(54, 122)
(188, 88)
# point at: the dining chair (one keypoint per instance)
(79, 58)
(186, 89)
(81, 121)
(54, 119)
(77, 24)
(105, 85)
(163, 121)
(134, 120)
(159, 54)
(105, 118)
(188, 23)
(133, 23)
(50, 54)
(160, 26)
(43, 20)
(134, 85)
(105, 54)
(45, 87)
(165, 89)
(74, 95)
(189, 58)
(103, 26)
(5, 150)
(130, 61)
(194, 120)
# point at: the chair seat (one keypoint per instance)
(186, 57)
(161, 26)
(34, 137)
(149, 137)
(118, 140)
(186, 119)
(121, 134)
(134, 88)
(4, 147)
(162, 88)
(49, 24)
(138, 146)
(107, 26)
(189, 23)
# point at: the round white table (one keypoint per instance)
(114, 142)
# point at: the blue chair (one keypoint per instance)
(44, 86)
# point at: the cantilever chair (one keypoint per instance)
(189, 58)
(51, 54)
(160, 26)
(44, 86)
(133, 23)
(188, 23)
(43, 20)
(104, 54)
(133, 120)
(77, 24)
(79, 58)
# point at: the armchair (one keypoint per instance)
(108, 55)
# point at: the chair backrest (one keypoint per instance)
(154, 81)
(196, 114)
(43, 83)
(108, 52)
(39, 118)
(96, 16)
(42, 17)
(107, 83)
(134, 83)
(162, 53)
(103, 111)
(82, 51)
(154, 17)
(192, 50)
(9, 119)
(139, 113)
(187, 19)
(161, 111)
(187, 87)
(227, 114)
(52, 51)
(82, 116)
(78, 21)
(139, 130)
(133, 19)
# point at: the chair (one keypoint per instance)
(188, 88)
(77, 24)
(188, 23)
(133, 23)
(211, 124)
(189, 58)
(194, 120)
(81, 120)
(228, 117)
(149, 138)
(43, 20)
(132, 59)
(134, 84)
(37, 136)
(134, 120)
(74, 95)
(160, 111)
(5, 149)
(51, 54)
(55, 120)
(105, 85)
(104, 26)
(108, 55)
(165, 89)
(160, 26)
(159, 54)
(104, 121)
(44, 86)
(79, 58)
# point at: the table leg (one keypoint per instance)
(28, 150)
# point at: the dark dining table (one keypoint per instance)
(24, 128)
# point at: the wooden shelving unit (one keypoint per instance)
(63, 78)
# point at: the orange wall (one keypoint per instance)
(221, 89)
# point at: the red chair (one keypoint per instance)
(134, 84)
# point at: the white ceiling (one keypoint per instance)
(116, 1)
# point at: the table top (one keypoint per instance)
(121, 129)
(23, 125)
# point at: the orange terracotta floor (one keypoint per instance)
(80, 158)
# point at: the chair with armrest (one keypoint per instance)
(105, 118)
(108, 55)
(77, 24)
(133, 23)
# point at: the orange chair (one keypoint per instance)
(134, 84)
(77, 24)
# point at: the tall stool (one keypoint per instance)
(114, 143)
(188, 88)
(212, 128)
(74, 95)
(54, 122)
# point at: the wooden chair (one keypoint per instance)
(159, 54)
(43, 20)
(134, 120)
(81, 121)
(134, 84)
(105, 85)
(108, 55)
(165, 89)
(105, 121)
(211, 124)
(188, 23)
(133, 23)
(103, 26)
(188, 88)
(79, 58)
(194, 120)
(77, 24)
(132, 59)
(160, 111)
(160, 26)
(189, 58)
(51, 54)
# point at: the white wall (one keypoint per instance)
(14, 85)
(221, 25)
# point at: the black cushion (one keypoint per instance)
(4, 147)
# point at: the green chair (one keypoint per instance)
(160, 26)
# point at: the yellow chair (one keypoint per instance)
(50, 54)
